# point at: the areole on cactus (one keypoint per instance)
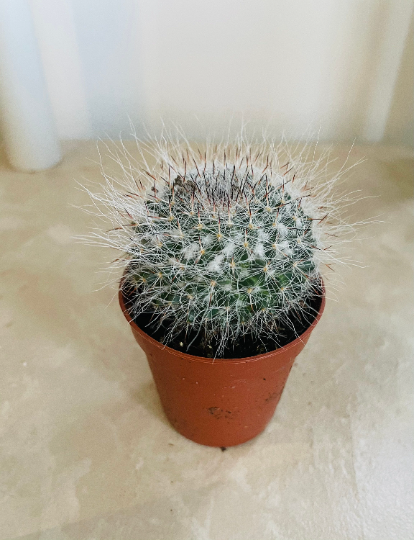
(223, 242)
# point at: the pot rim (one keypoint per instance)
(204, 359)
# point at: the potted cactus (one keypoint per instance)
(222, 251)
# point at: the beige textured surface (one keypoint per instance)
(85, 451)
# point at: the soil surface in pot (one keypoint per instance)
(191, 343)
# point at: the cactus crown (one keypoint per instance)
(226, 242)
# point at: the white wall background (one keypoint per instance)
(291, 64)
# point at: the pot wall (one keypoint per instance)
(219, 402)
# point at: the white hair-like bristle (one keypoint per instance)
(229, 239)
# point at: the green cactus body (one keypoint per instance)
(224, 245)
(221, 248)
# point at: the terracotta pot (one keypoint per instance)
(222, 402)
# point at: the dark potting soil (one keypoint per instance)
(191, 343)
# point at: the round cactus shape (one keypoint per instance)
(223, 248)
(223, 243)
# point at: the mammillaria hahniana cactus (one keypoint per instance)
(223, 242)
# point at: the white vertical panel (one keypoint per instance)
(400, 123)
(288, 64)
(391, 40)
(27, 120)
(58, 44)
(108, 39)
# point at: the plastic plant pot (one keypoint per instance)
(219, 402)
